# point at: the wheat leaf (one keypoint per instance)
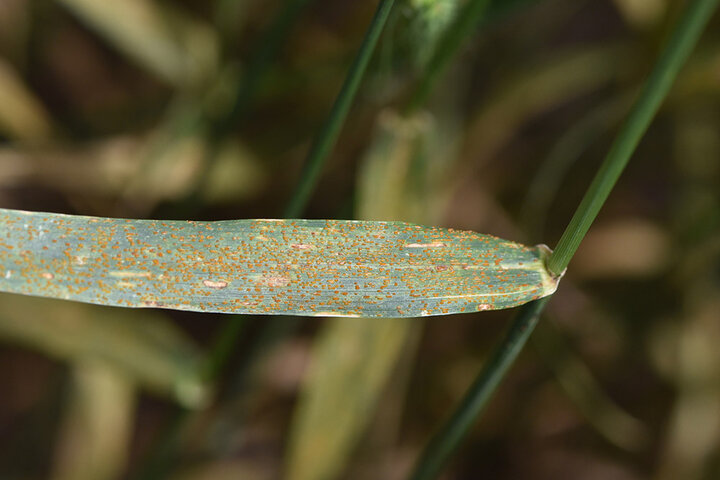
(299, 267)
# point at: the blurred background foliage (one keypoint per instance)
(205, 110)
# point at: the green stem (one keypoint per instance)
(449, 437)
(678, 49)
(327, 137)
(463, 26)
(223, 345)
(268, 48)
(656, 88)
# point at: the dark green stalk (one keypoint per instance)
(443, 444)
(463, 26)
(656, 88)
(223, 345)
(267, 49)
(325, 141)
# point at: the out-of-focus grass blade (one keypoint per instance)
(538, 88)
(301, 267)
(393, 182)
(699, 78)
(345, 381)
(615, 424)
(113, 169)
(687, 353)
(171, 45)
(175, 171)
(645, 250)
(227, 469)
(684, 346)
(353, 360)
(96, 430)
(22, 115)
(143, 346)
(642, 14)
(417, 25)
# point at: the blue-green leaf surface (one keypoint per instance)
(300, 267)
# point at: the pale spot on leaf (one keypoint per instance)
(215, 284)
(425, 245)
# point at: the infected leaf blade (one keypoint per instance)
(299, 267)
